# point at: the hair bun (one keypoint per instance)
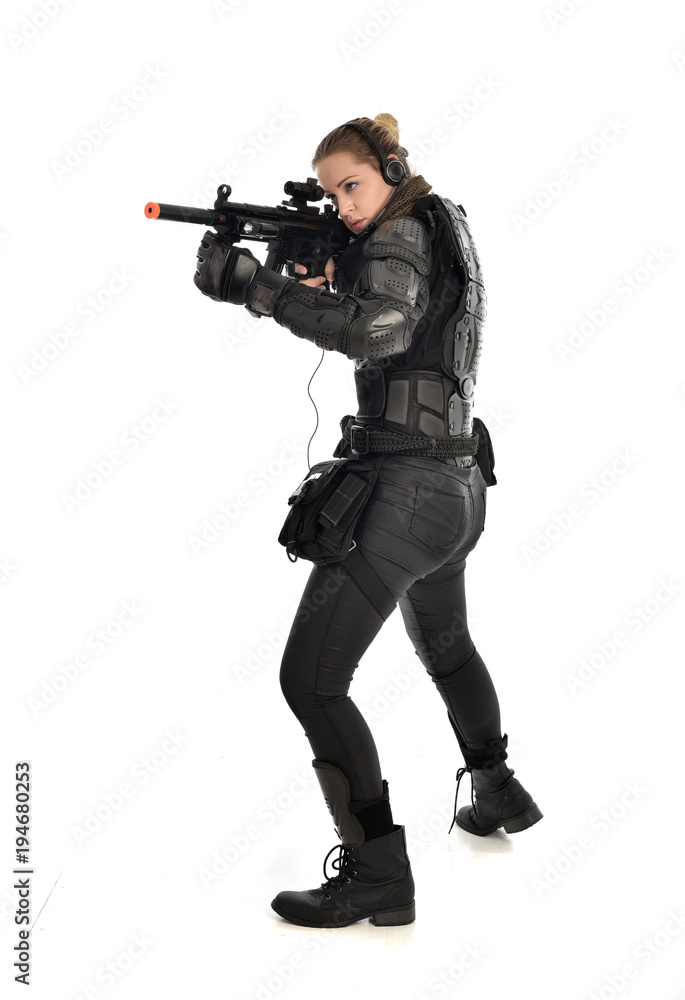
(390, 123)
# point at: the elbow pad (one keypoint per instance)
(317, 315)
(358, 328)
(381, 330)
(390, 296)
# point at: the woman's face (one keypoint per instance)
(356, 189)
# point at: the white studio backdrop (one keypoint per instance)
(145, 600)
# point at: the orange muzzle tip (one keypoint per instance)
(152, 210)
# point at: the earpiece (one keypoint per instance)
(394, 172)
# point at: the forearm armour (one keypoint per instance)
(392, 297)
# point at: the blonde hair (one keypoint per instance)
(346, 138)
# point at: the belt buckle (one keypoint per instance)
(360, 427)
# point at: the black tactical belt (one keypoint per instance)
(363, 441)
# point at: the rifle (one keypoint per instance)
(296, 233)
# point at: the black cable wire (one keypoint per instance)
(323, 351)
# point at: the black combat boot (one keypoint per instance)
(373, 877)
(497, 797)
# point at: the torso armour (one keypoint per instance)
(428, 388)
(409, 308)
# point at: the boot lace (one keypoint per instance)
(343, 864)
(459, 775)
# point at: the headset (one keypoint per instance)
(394, 172)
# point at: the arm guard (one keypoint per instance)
(391, 296)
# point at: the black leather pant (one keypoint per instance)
(421, 521)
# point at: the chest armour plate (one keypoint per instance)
(430, 392)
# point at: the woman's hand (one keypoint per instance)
(319, 280)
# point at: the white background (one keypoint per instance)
(495, 101)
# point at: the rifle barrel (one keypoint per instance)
(181, 213)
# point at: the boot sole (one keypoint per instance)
(512, 825)
(380, 918)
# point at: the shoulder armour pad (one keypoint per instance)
(404, 237)
(460, 239)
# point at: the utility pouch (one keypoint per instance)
(325, 508)
(485, 455)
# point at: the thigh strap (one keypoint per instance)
(369, 582)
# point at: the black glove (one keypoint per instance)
(224, 272)
(232, 274)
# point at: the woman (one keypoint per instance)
(408, 309)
